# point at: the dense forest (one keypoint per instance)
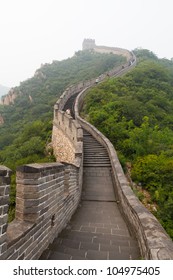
(136, 113)
(27, 126)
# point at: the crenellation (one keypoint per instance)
(36, 203)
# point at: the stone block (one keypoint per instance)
(25, 246)
(4, 228)
(18, 232)
(14, 256)
(2, 190)
(44, 210)
(5, 209)
(3, 238)
(4, 200)
(27, 195)
(3, 219)
(27, 188)
(3, 248)
(24, 181)
(29, 217)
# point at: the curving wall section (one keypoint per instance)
(48, 194)
(64, 126)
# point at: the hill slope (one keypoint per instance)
(28, 121)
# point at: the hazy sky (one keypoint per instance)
(39, 31)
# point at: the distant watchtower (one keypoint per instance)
(88, 44)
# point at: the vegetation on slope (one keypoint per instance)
(136, 113)
(27, 124)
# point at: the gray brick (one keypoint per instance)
(59, 256)
(95, 255)
(89, 245)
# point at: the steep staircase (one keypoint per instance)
(97, 230)
(95, 155)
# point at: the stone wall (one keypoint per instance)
(153, 240)
(67, 137)
(117, 51)
(47, 196)
(4, 201)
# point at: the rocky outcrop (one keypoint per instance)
(39, 74)
(9, 98)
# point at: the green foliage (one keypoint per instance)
(136, 113)
(27, 124)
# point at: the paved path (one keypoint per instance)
(97, 231)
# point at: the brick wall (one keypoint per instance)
(47, 196)
(4, 201)
(67, 137)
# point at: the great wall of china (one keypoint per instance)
(49, 194)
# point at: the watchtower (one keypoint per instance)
(88, 44)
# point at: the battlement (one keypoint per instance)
(88, 44)
(67, 137)
(47, 196)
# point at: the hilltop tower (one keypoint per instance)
(88, 44)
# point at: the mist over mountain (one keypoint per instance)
(3, 90)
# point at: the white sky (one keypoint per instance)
(39, 31)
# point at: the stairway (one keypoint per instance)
(97, 230)
(95, 155)
(97, 169)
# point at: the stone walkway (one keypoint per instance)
(97, 231)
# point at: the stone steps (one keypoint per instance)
(94, 153)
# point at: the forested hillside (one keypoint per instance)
(136, 113)
(27, 124)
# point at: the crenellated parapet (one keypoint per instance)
(47, 196)
(67, 138)
(114, 50)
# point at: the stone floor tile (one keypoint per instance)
(59, 256)
(96, 255)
